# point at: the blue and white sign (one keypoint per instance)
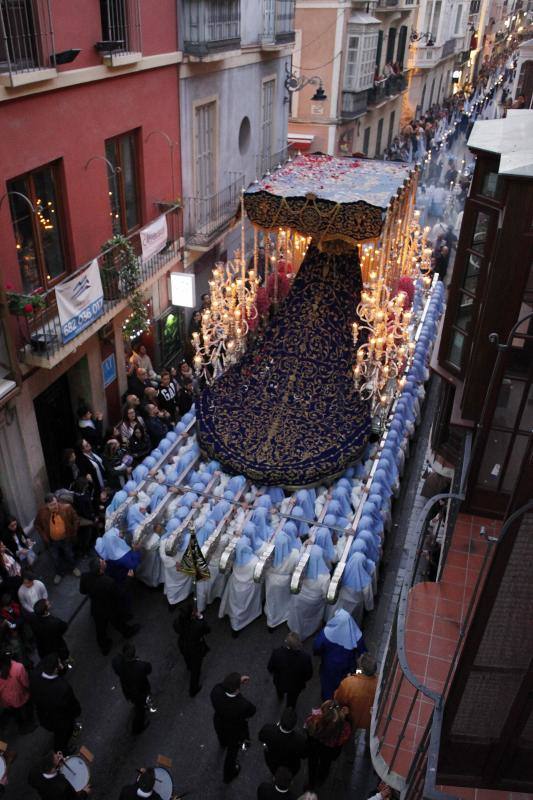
(109, 370)
(80, 301)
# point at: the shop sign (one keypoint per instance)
(109, 370)
(182, 289)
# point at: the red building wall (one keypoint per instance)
(72, 125)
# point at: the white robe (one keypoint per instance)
(353, 602)
(306, 610)
(150, 570)
(207, 591)
(278, 590)
(178, 585)
(242, 598)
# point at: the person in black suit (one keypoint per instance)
(56, 704)
(48, 631)
(107, 604)
(284, 746)
(277, 790)
(291, 668)
(50, 784)
(145, 783)
(232, 712)
(192, 628)
(133, 674)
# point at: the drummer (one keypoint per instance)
(143, 787)
(48, 781)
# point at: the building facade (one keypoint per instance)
(453, 713)
(89, 113)
(236, 56)
(359, 52)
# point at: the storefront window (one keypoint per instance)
(491, 185)
(455, 354)
(481, 232)
(473, 268)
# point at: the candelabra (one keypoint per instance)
(390, 269)
(221, 340)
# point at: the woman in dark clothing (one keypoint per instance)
(69, 469)
(327, 731)
(83, 505)
(140, 445)
(117, 464)
(17, 542)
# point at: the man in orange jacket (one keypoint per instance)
(358, 691)
(57, 523)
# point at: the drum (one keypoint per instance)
(76, 771)
(163, 783)
(3, 767)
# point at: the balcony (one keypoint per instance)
(26, 42)
(386, 89)
(205, 219)
(396, 5)
(448, 48)
(211, 26)
(354, 104)
(267, 162)
(121, 29)
(278, 23)
(45, 343)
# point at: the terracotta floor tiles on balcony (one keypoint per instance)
(419, 622)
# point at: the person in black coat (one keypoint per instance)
(277, 790)
(291, 668)
(56, 704)
(50, 784)
(133, 674)
(284, 746)
(107, 604)
(145, 783)
(192, 628)
(232, 712)
(48, 631)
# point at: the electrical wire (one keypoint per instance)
(313, 69)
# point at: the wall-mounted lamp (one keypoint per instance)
(295, 83)
(418, 37)
(64, 57)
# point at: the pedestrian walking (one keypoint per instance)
(50, 783)
(284, 746)
(232, 712)
(328, 730)
(107, 604)
(357, 692)
(192, 629)
(338, 644)
(48, 631)
(142, 788)
(55, 702)
(279, 788)
(57, 524)
(291, 668)
(133, 674)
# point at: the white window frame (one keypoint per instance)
(199, 190)
(361, 49)
(268, 85)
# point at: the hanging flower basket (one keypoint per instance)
(24, 305)
(120, 268)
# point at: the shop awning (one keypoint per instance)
(360, 18)
(300, 141)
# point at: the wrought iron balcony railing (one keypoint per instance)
(205, 218)
(121, 29)
(210, 26)
(26, 39)
(354, 104)
(267, 162)
(386, 88)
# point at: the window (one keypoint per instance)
(379, 50)
(360, 59)
(402, 43)
(492, 185)
(458, 20)
(204, 128)
(378, 137)
(18, 45)
(267, 112)
(391, 128)
(436, 20)
(366, 141)
(431, 93)
(121, 22)
(39, 241)
(391, 41)
(121, 152)
(351, 63)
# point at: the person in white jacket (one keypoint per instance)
(242, 598)
(278, 580)
(306, 610)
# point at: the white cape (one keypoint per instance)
(278, 590)
(241, 600)
(306, 610)
(150, 570)
(178, 586)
